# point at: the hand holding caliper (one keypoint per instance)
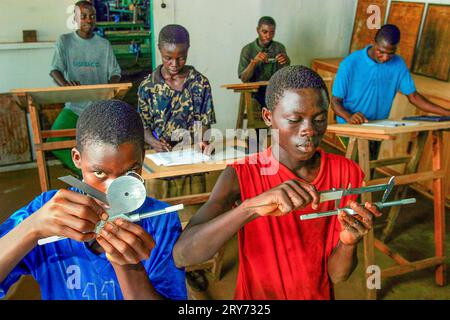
(125, 195)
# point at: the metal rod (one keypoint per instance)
(380, 205)
(133, 218)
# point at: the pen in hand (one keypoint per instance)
(163, 143)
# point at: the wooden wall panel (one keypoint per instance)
(14, 142)
(407, 16)
(433, 54)
(362, 35)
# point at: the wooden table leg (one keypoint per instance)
(241, 111)
(439, 208)
(411, 167)
(249, 109)
(350, 153)
(369, 239)
(37, 140)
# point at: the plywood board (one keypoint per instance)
(433, 54)
(407, 16)
(362, 35)
(14, 142)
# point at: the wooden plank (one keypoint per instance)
(401, 192)
(410, 178)
(433, 54)
(412, 266)
(393, 255)
(188, 199)
(350, 153)
(73, 94)
(58, 133)
(369, 252)
(354, 129)
(439, 210)
(328, 64)
(152, 171)
(407, 16)
(370, 136)
(245, 85)
(418, 187)
(362, 35)
(241, 112)
(37, 140)
(56, 145)
(388, 161)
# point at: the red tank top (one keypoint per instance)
(284, 257)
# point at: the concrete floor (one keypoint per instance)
(413, 238)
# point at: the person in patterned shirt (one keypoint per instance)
(176, 96)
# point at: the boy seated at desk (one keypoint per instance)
(173, 100)
(81, 58)
(125, 260)
(367, 81)
(261, 58)
(281, 257)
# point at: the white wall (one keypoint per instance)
(28, 65)
(219, 29)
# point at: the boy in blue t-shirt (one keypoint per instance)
(125, 260)
(368, 80)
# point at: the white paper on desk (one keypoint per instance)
(190, 156)
(390, 123)
(176, 158)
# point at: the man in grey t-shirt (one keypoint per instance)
(81, 58)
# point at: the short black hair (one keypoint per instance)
(84, 3)
(268, 21)
(111, 122)
(173, 34)
(388, 33)
(292, 77)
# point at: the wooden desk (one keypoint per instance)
(152, 171)
(359, 140)
(245, 105)
(435, 90)
(33, 98)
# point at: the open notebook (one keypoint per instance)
(190, 156)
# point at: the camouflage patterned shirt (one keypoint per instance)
(164, 110)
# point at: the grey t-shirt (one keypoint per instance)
(89, 61)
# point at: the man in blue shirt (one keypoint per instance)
(368, 80)
(125, 260)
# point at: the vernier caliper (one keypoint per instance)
(339, 193)
(124, 196)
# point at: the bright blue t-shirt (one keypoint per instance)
(370, 87)
(69, 270)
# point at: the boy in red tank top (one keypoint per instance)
(280, 256)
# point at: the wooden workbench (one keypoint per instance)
(152, 171)
(359, 141)
(435, 90)
(245, 105)
(33, 99)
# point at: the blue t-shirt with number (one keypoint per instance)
(370, 87)
(69, 270)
